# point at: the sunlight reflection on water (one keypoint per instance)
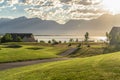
(67, 38)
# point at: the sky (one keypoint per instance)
(60, 11)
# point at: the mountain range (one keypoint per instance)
(95, 27)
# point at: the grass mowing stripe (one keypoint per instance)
(102, 67)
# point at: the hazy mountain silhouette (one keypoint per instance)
(2, 20)
(37, 26)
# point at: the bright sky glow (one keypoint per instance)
(112, 5)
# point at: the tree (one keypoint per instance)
(65, 42)
(60, 42)
(108, 37)
(49, 42)
(71, 40)
(18, 39)
(86, 36)
(77, 40)
(54, 42)
(7, 38)
(42, 41)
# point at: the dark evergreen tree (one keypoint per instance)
(71, 40)
(77, 40)
(86, 36)
(49, 42)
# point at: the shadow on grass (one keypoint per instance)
(13, 46)
(34, 48)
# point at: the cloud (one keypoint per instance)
(89, 2)
(1, 1)
(14, 8)
(60, 11)
(10, 17)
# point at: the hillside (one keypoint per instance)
(102, 67)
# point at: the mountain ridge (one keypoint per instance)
(97, 26)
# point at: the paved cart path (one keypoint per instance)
(4, 66)
(69, 51)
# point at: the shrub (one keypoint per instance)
(71, 40)
(77, 40)
(65, 42)
(60, 42)
(49, 42)
(42, 41)
(88, 45)
(79, 45)
(69, 44)
(54, 42)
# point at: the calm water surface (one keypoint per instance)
(67, 38)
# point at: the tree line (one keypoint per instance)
(9, 38)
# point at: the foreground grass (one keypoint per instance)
(102, 67)
(27, 52)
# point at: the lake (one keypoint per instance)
(67, 38)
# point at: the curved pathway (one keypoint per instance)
(69, 51)
(4, 66)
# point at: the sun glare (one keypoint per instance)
(112, 6)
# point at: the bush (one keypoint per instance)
(65, 41)
(88, 45)
(71, 40)
(49, 42)
(77, 40)
(69, 45)
(60, 42)
(42, 41)
(79, 45)
(54, 42)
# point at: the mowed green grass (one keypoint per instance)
(102, 67)
(29, 52)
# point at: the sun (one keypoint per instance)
(112, 6)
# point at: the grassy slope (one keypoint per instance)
(85, 52)
(94, 49)
(102, 67)
(28, 53)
